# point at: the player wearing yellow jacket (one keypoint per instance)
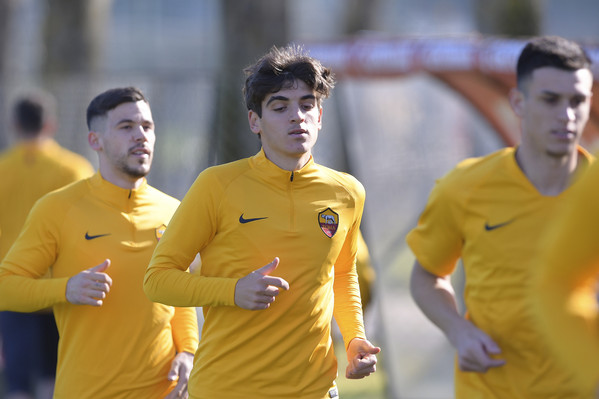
(96, 238)
(34, 166)
(490, 212)
(278, 205)
(565, 286)
(45, 166)
(471, 215)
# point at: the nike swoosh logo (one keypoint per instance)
(490, 227)
(242, 220)
(88, 237)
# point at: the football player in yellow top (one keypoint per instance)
(278, 235)
(565, 288)
(34, 166)
(490, 212)
(96, 237)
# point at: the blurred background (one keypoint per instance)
(422, 85)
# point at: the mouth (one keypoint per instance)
(564, 134)
(298, 132)
(140, 152)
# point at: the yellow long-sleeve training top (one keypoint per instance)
(124, 348)
(239, 217)
(30, 170)
(565, 291)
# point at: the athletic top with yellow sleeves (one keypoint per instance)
(240, 216)
(488, 213)
(565, 288)
(124, 348)
(30, 170)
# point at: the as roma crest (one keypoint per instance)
(329, 222)
(160, 231)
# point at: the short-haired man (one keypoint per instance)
(490, 212)
(35, 165)
(96, 238)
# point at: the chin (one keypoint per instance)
(561, 152)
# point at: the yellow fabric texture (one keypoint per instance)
(286, 350)
(30, 170)
(123, 349)
(366, 272)
(488, 213)
(565, 288)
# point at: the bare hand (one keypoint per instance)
(258, 290)
(180, 369)
(361, 358)
(476, 349)
(89, 287)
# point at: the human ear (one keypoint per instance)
(517, 100)
(319, 118)
(94, 140)
(254, 121)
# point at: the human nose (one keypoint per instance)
(567, 113)
(140, 134)
(297, 115)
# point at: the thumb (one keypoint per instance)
(266, 270)
(101, 267)
(491, 347)
(369, 348)
(173, 372)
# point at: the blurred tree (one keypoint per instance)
(73, 39)
(360, 16)
(6, 12)
(250, 28)
(73, 36)
(508, 17)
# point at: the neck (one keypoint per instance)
(288, 163)
(550, 175)
(37, 140)
(121, 179)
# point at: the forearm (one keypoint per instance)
(435, 297)
(348, 306)
(26, 294)
(175, 287)
(185, 329)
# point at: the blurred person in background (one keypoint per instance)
(278, 235)
(96, 238)
(490, 212)
(34, 166)
(565, 288)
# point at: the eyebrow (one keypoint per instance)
(132, 121)
(283, 98)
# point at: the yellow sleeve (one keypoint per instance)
(437, 240)
(564, 289)
(21, 287)
(185, 330)
(192, 227)
(348, 305)
(365, 270)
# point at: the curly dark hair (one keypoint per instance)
(282, 68)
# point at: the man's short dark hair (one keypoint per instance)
(550, 51)
(111, 99)
(32, 111)
(282, 68)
